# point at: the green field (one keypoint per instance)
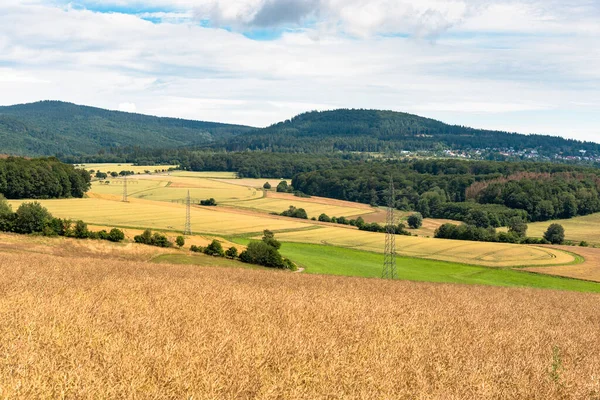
(320, 259)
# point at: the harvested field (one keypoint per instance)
(255, 183)
(429, 224)
(114, 167)
(588, 270)
(162, 215)
(576, 229)
(76, 328)
(275, 202)
(205, 174)
(476, 253)
(167, 188)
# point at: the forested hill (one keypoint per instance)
(378, 131)
(67, 130)
(57, 128)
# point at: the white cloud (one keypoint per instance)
(178, 68)
(127, 107)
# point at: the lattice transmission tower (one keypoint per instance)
(188, 215)
(389, 262)
(125, 189)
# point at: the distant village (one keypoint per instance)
(526, 154)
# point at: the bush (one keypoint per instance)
(517, 226)
(415, 221)
(555, 234)
(283, 187)
(155, 239)
(180, 241)
(197, 249)
(160, 240)
(295, 213)
(324, 218)
(31, 218)
(214, 249)
(232, 252)
(261, 253)
(209, 202)
(269, 238)
(81, 230)
(583, 243)
(115, 235)
(267, 186)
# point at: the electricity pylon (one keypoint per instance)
(125, 189)
(389, 261)
(188, 215)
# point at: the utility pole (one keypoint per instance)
(125, 189)
(389, 263)
(188, 215)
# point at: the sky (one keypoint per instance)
(529, 66)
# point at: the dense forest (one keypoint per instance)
(41, 178)
(67, 130)
(53, 128)
(463, 190)
(385, 131)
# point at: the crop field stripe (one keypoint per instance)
(320, 259)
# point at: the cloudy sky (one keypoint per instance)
(531, 66)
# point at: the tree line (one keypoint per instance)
(41, 178)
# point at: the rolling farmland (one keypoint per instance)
(477, 253)
(162, 215)
(168, 188)
(76, 327)
(576, 229)
(114, 167)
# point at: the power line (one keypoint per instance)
(125, 189)
(389, 261)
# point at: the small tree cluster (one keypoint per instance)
(215, 248)
(415, 221)
(266, 253)
(283, 187)
(295, 213)
(153, 239)
(33, 218)
(209, 202)
(516, 233)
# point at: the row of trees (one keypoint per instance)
(41, 178)
(264, 252)
(33, 218)
(517, 233)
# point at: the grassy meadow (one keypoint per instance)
(329, 260)
(75, 327)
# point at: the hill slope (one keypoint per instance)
(65, 129)
(58, 128)
(375, 130)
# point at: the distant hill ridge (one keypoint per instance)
(59, 128)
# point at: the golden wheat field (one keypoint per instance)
(313, 209)
(114, 167)
(477, 253)
(168, 188)
(138, 213)
(79, 328)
